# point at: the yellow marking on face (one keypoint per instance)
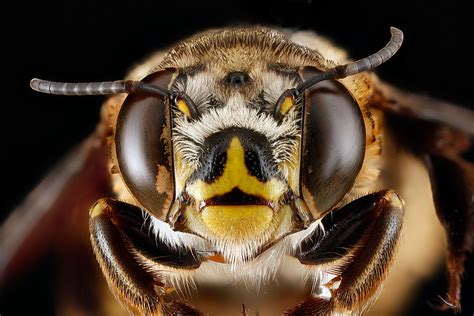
(183, 107)
(236, 175)
(287, 104)
(238, 221)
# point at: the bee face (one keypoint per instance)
(237, 164)
(240, 162)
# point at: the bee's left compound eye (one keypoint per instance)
(333, 144)
(143, 147)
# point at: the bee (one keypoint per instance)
(251, 170)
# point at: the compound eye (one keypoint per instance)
(144, 149)
(333, 144)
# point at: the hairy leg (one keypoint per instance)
(122, 248)
(452, 182)
(360, 241)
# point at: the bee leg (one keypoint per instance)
(360, 241)
(452, 181)
(123, 251)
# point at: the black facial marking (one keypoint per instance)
(217, 166)
(236, 197)
(253, 163)
(257, 155)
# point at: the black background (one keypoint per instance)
(89, 41)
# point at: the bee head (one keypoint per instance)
(239, 137)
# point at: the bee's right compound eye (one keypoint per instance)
(333, 144)
(143, 147)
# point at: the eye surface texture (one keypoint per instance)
(333, 144)
(143, 147)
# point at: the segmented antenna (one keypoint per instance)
(361, 65)
(96, 88)
(129, 86)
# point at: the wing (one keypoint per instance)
(440, 133)
(46, 261)
(422, 108)
(54, 212)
